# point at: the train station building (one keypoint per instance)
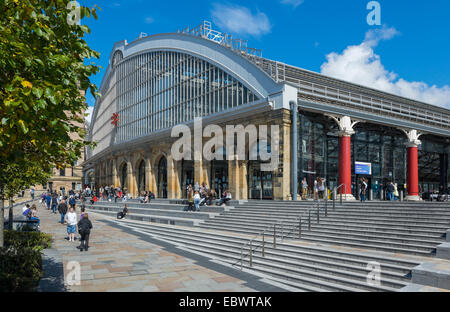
(328, 128)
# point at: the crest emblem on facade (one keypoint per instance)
(115, 119)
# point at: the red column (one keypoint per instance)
(345, 164)
(413, 172)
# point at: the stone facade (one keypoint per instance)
(110, 169)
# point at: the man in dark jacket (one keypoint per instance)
(54, 202)
(62, 208)
(390, 191)
(84, 228)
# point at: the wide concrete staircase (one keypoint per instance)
(301, 267)
(334, 254)
(411, 228)
(159, 211)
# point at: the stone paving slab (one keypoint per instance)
(120, 262)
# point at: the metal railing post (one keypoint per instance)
(326, 207)
(251, 254)
(341, 197)
(242, 257)
(309, 220)
(318, 214)
(263, 243)
(274, 236)
(300, 228)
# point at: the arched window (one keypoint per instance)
(141, 177)
(124, 176)
(162, 178)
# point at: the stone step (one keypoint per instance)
(160, 212)
(329, 224)
(332, 254)
(355, 213)
(325, 223)
(409, 214)
(162, 206)
(323, 271)
(279, 256)
(407, 228)
(325, 278)
(394, 207)
(345, 241)
(337, 216)
(156, 219)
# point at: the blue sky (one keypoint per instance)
(409, 54)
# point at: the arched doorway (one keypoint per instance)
(260, 183)
(219, 173)
(90, 179)
(162, 178)
(124, 176)
(187, 176)
(141, 177)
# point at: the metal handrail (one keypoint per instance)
(298, 224)
(340, 187)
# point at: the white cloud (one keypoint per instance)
(89, 111)
(360, 64)
(294, 3)
(149, 20)
(240, 20)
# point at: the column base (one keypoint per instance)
(347, 197)
(413, 198)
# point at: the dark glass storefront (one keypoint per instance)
(383, 147)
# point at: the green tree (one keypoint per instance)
(43, 69)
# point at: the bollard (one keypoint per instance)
(401, 195)
(300, 228)
(371, 194)
(326, 208)
(274, 236)
(263, 243)
(309, 220)
(251, 256)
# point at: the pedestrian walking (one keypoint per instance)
(304, 189)
(54, 202)
(62, 209)
(390, 191)
(197, 201)
(316, 189)
(72, 202)
(363, 189)
(71, 219)
(84, 229)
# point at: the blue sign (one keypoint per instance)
(363, 168)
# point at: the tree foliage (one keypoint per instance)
(44, 74)
(42, 71)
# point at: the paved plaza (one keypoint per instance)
(120, 261)
(137, 256)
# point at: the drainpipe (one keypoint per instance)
(294, 160)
